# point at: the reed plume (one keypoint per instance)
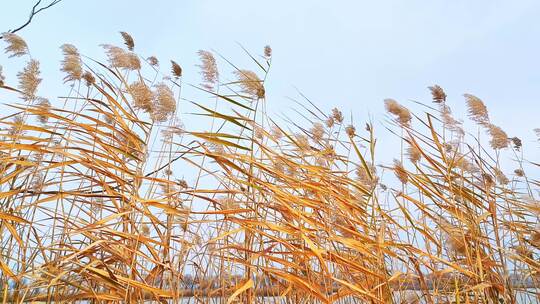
(119, 58)
(250, 83)
(16, 46)
(403, 115)
(477, 109)
(29, 79)
(128, 41)
(209, 70)
(2, 77)
(71, 64)
(176, 69)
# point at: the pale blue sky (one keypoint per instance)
(350, 54)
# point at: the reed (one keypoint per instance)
(107, 197)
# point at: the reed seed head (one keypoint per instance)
(2, 77)
(16, 46)
(400, 172)
(122, 59)
(250, 83)
(350, 130)
(176, 69)
(317, 131)
(438, 94)
(45, 106)
(142, 96)
(414, 153)
(477, 109)
(29, 79)
(209, 70)
(128, 40)
(164, 103)
(517, 142)
(403, 115)
(519, 172)
(153, 61)
(337, 116)
(267, 51)
(499, 139)
(71, 64)
(88, 78)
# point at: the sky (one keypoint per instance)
(346, 54)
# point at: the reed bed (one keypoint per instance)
(107, 197)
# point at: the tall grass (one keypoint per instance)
(107, 197)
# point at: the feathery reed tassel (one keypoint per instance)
(267, 51)
(128, 40)
(89, 78)
(2, 77)
(499, 139)
(45, 106)
(29, 79)
(519, 172)
(142, 96)
(209, 70)
(250, 83)
(153, 61)
(122, 59)
(17, 126)
(176, 69)
(400, 172)
(71, 64)
(449, 121)
(438, 94)
(414, 153)
(317, 131)
(337, 116)
(164, 103)
(16, 45)
(477, 109)
(403, 115)
(350, 130)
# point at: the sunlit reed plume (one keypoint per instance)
(400, 172)
(209, 70)
(71, 64)
(153, 61)
(29, 79)
(176, 69)
(414, 153)
(477, 109)
(164, 103)
(2, 77)
(437, 93)
(350, 130)
(88, 78)
(516, 141)
(267, 51)
(17, 126)
(45, 106)
(142, 96)
(16, 45)
(122, 59)
(519, 172)
(403, 115)
(250, 83)
(128, 40)
(317, 131)
(499, 139)
(337, 116)
(449, 121)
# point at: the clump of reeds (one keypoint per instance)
(95, 207)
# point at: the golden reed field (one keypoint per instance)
(106, 196)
